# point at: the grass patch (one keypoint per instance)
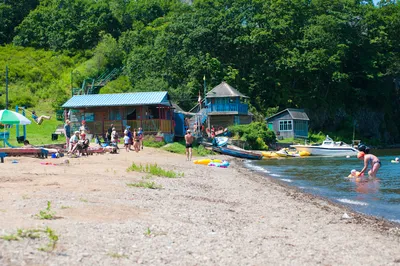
(46, 214)
(117, 255)
(180, 148)
(147, 232)
(145, 184)
(53, 238)
(83, 200)
(34, 234)
(154, 169)
(65, 207)
(150, 141)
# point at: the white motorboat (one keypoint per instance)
(328, 148)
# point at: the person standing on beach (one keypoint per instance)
(189, 144)
(109, 132)
(140, 136)
(67, 133)
(369, 158)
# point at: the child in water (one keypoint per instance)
(354, 173)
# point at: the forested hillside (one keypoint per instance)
(338, 59)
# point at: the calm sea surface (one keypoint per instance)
(327, 177)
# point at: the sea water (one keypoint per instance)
(327, 177)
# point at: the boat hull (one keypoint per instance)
(238, 153)
(326, 151)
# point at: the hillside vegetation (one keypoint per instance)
(339, 59)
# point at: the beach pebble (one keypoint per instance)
(346, 216)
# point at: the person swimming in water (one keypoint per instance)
(369, 158)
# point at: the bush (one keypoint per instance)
(256, 134)
(180, 148)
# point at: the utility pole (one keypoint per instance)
(6, 87)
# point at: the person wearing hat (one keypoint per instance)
(369, 158)
(114, 138)
(189, 144)
(128, 133)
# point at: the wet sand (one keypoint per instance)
(209, 216)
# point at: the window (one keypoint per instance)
(285, 125)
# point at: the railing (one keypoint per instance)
(240, 108)
(150, 126)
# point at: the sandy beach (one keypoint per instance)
(208, 216)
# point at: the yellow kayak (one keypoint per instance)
(304, 153)
(269, 154)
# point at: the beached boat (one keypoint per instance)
(328, 148)
(238, 153)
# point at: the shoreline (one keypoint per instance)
(209, 216)
(384, 224)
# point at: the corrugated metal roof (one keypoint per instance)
(224, 90)
(298, 114)
(118, 99)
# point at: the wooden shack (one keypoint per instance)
(289, 123)
(151, 111)
(226, 107)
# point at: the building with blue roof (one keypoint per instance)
(151, 111)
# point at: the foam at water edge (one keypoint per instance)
(286, 180)
(393, 220)
(353, 202)
(276, 175)
(257, 168)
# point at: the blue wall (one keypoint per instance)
(179, 124)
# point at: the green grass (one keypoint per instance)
(46, 214)
(37, 134)
(180, 148)
(117, 255)
(145, 184)
(149, 141)
(34, 234)
(154, 169)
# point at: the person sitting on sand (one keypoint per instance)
(73, 141)
(39, 120)
(189, 145)
(81, 146)
(369, 158)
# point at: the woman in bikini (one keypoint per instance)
(369, 158)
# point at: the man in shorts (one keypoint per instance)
(189, 144)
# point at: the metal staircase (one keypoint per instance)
(93, 86)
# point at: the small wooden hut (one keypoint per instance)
(151, 111)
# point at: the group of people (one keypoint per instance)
(133, 139)
(78, 142)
